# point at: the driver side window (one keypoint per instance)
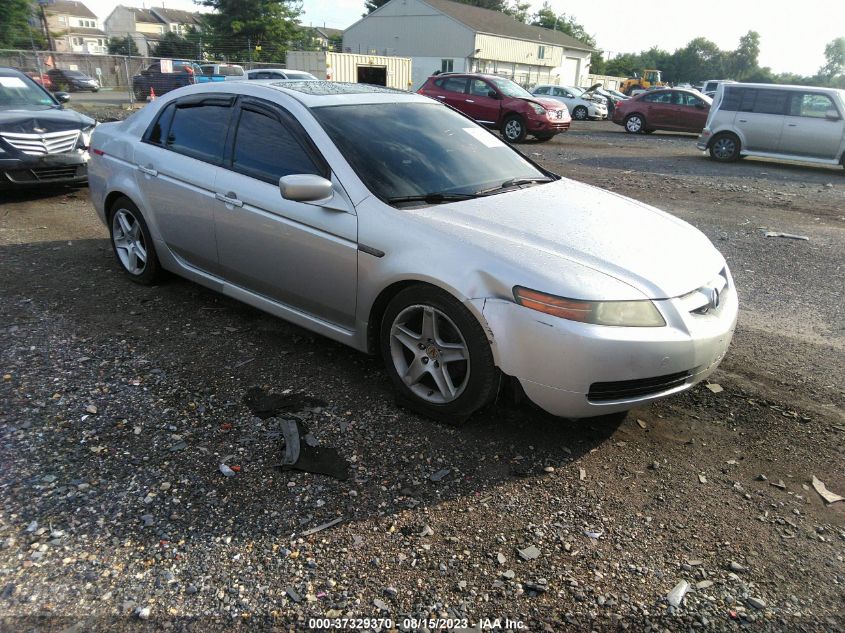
(479, 88)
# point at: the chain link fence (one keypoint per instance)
(113, 73)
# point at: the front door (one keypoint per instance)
(176, 168)
(301, 255)
(482, 102)
(814, 126)
(690, 112)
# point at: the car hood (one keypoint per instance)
(549, 104)
(42, 121)
(651, 251)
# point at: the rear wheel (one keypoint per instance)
(141, 94)
(132, 242)
(437, 355)
(513, 129)
(635, 124)
(724, 148)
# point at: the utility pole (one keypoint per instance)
(45, 26)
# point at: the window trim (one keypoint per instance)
(284, 118)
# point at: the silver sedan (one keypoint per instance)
(394, 224)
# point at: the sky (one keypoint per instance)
(793, 36)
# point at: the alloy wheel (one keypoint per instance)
(634, 124)
(513, 129)
(129, 241)
(430, 354)
(724, 148)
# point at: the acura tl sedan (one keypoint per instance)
(398, 226)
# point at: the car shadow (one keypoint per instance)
(154, 379)
(32, 194)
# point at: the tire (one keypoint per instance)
(422, 325)
(725, 148)
(132, 243)
(648, 131)
(580, 113)
(514, 129)
(635, 124)
(544, 138)
(140, 94)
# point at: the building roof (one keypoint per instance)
(327, 32)
(176, 16)
(69, 7)
(144, 15)
(498, 23)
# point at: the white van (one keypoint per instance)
(802, 123)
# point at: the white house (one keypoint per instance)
(74, 28)
(440, 35)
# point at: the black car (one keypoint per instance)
(152, 81)
(72, 80)
(40, 141)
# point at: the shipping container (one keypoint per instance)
(393, 72)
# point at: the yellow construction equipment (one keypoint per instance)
(642, 81)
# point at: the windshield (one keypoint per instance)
(510, 89)
(414, 149)
(21, 92)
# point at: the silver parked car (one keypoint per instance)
(394, 224)
(279, 73)
(582, 104)
(801, 123)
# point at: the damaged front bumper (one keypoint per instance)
(30, 171)
(578, 370)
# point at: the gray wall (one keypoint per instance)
(412, 29)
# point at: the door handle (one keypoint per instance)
(440, 96)
(792, 125)
(147, 170)
(743, 121)
(229, 198)
(469, 100)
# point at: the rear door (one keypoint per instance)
(660, 110)
(451, 90)
(760, 117)
(177, 165)
(813, 127)
(480, 105)
(301, 255)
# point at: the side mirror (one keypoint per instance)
(700, 105)
(831, 115)
(305, 188)
(492, 94)
(61, 97)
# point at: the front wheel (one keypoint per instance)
(580, 113)
(132, 243)
(514, 129)
(437, 355)
(635, 124)
(724, 148)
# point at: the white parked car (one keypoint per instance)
(582, 106)
(230, 72)
(389, 222)
(280, 73)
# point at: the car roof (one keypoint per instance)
(5, 71)
(310, 93)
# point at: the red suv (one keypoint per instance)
(499, 103)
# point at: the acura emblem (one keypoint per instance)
(39, 130)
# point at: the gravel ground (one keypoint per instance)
(118, 405)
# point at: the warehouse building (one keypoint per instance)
(445, 36)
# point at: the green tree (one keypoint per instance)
(518, 11)
(258, 30)
(548, 19)
(742, 62)
(834, 54)
(175, 47)
(122, 46)
(16, 25)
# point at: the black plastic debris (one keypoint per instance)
(268, 405)
(301, 455)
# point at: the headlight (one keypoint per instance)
(538, 108)
(616, 313)
(86, 136)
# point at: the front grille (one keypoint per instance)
(42, 144)
(641, 387)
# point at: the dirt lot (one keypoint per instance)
(118, 404)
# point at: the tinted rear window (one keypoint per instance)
(757, 100)
(452, 84)
(199, 131)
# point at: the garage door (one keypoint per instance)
(569, 76)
